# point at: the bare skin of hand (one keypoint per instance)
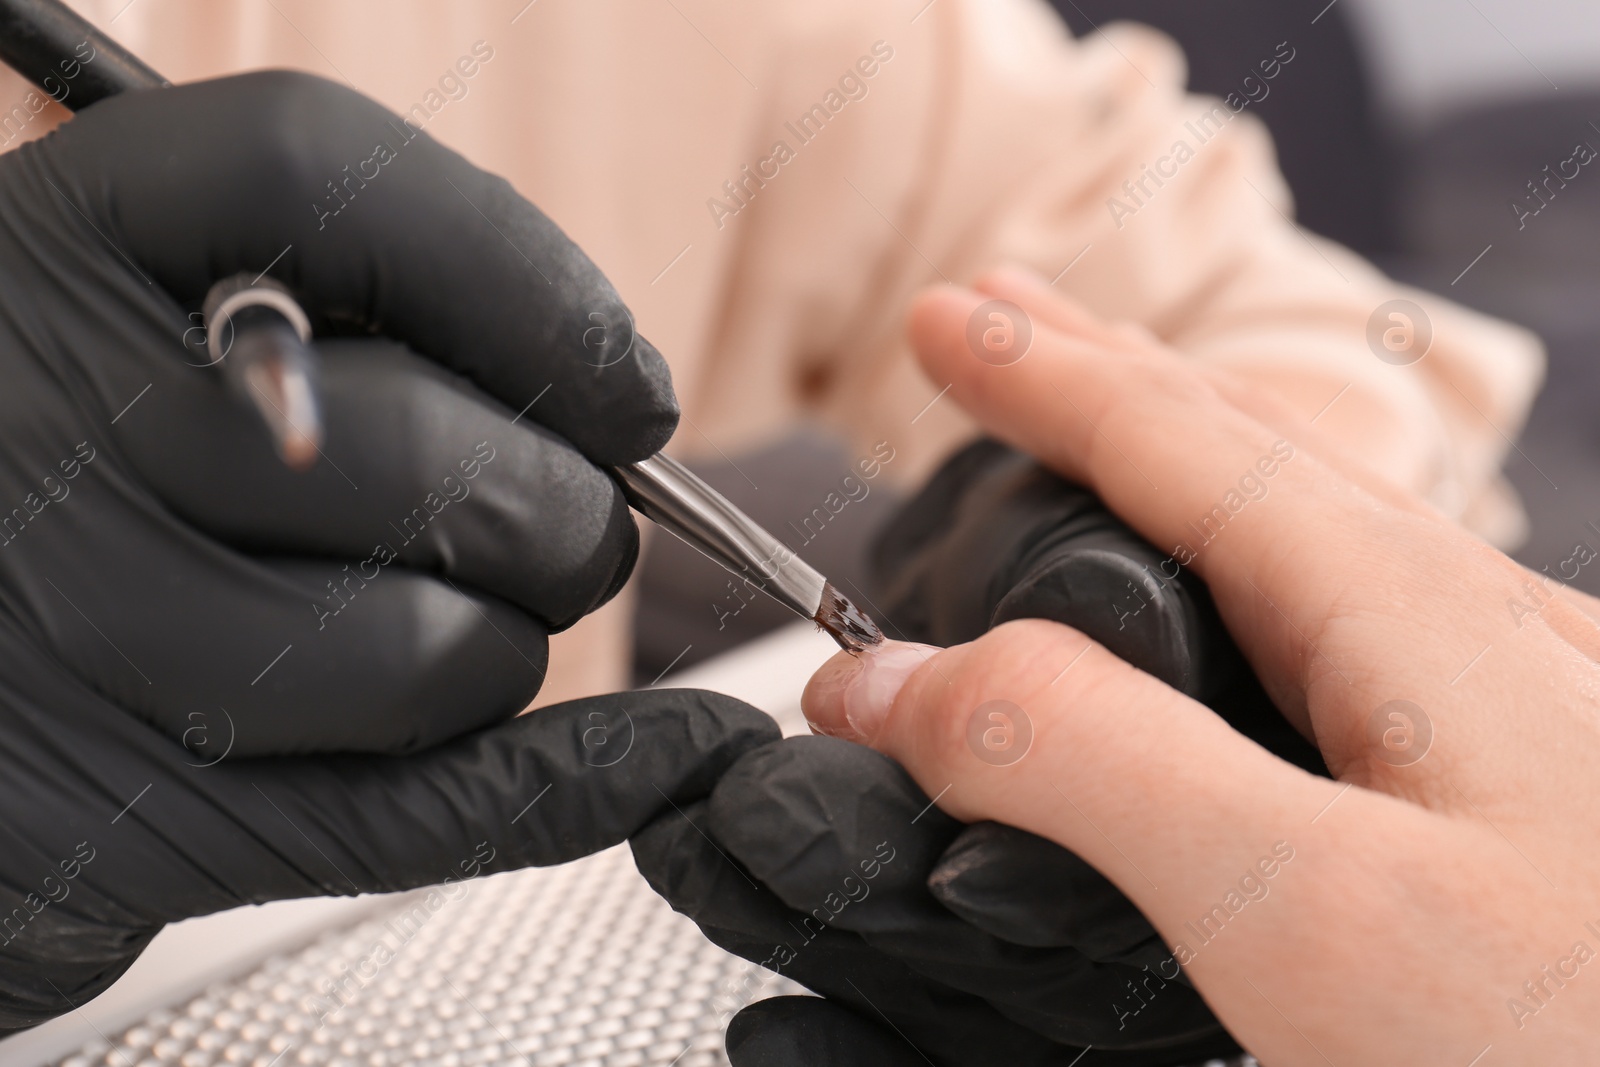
(1439, 901)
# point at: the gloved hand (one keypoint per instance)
(994, 536)
(990, 944)
(225, 682)
(814, 857)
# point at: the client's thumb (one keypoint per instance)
(1035, 726)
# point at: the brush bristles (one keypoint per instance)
(846, 623)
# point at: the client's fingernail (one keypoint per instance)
(850, 695)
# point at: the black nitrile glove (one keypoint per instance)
(813, 857)
(993, 918)
(225, 682)
(994, 536)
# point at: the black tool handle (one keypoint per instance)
(43, 41)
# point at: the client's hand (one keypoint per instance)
(1436, 903)
(984, 941)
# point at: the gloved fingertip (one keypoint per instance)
(649, 404)
(625, 564)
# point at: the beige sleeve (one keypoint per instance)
(993, 136)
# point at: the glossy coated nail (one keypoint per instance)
(850, 695)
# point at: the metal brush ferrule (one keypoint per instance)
(672, 496)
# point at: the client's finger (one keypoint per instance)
(1236, 857)
(1147, 431)
(1038, 727)
(1043, 304)
(1317, 578)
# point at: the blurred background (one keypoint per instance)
(1408, 129)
